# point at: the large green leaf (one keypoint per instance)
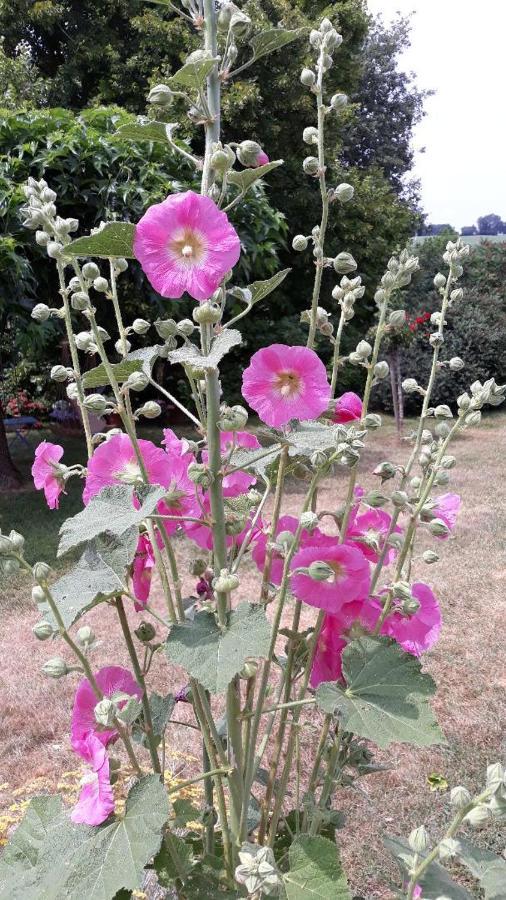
(144, 130)
(98, 376)
(213, 657)
(273, 39)
(53, 859)
(435, 882)
(260, 289)
(164, 865)
(315, 871)
(247, 177)
(191, 355)
(489, 869)
(386, 697)
(110, 512)
(115, 239)
(257, 460)
(100, 573)
(310, 437)
(192, 76)
(147, 357)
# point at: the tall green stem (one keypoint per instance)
(325, 203)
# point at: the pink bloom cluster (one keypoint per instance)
(96, 801)
(45, 472)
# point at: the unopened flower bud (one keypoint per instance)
(399, 498)
(332, 40)
(443, 412)
(438, 528)
(105, 712)
(375, 499)
(436, 340)
(83, 340)
(55, 667)
(307, 77)
(410, 607)
(43, 631)
(338, 102)
(430, 557)
(91, 271)
(310, 165)
(309, 520)
(344, 263)
(344, 192)
(85, 636)
(381, 370)
(315, 38)
(385, 470)
(225, 582)
(285, 539)
(448, 848)
(17, 540)
(101, 285)
(299, 242)
(40, 312)
(198, 567)
(140, 326)
(248, 153)
(479, 815)
(41, 571)
(122, 346)
(325, 25)
(160, 95)
(473, 418)
(397, 318)
(150, 410)
(120, 264)
(363, 349)
(232, 418)
(137, 381)
(459, 796)
(320, 571)
(249, 669)
(42, 238)
(54, 250)
(38, 594)
(72, 391)
(402, 591)
(439, 280)
(60, 373)
(456, 295)
(456, 364)
(198, 473)
(207, 313)
(145, 632)
(419, 839)
(80, 301)
(310, 135)
(96, 403)
(409, 385)
(372, 420)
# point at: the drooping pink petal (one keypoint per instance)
(176, 446)
(111, 680)
(45, 472)
(447, 508)
(348, 408)
(327, 664)
(186, 244)
(283, 383)
(350, 581)
(142, 569)
(96, 801)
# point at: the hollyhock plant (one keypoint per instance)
(446, 508)
(115, 462)
(348, 408)
(259, 551)
(46, 474)
(142, 570)
(186, 244)
(369, 530)
(111, 680)
(283, 383)
(202, 532)
(348, 577)
(96, 801)
(181, 499)
(237, 482)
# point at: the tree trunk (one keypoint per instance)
(10, 477)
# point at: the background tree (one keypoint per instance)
(490, 224)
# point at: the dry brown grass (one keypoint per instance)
(467, 663)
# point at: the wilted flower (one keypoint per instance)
(96, 801)
(348, 408)
(46, 472)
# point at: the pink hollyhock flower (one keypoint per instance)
(350, 579)
(96, 801)
(447, 508)
(202, 534)
(259, 552)
(372, 525)
(45, 472)
(416, 633)
(142, 569)
(283, 383)
(348, 408)
(238, 482)
(331, 643)
(111, 680)
(115, 462)
(186, 244)
(181, 499)
(176, 446)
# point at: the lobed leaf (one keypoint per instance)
(273, 39)
(99, 574)
(257, 460)
(247, 177)
(144, 130)
(386, 695)
(49, 858)
(115, 239)
(190, 354)
(260, 289)
(309, 437)
(98, 376)
(487, 867)
(214, 657)
(315, 871)
(435, 882)
(111, 512)
(193, 74)
(147, 356)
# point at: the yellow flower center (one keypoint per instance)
(287, 383)
(337, 569)
(187, 246)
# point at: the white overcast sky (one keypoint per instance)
(459, 50)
